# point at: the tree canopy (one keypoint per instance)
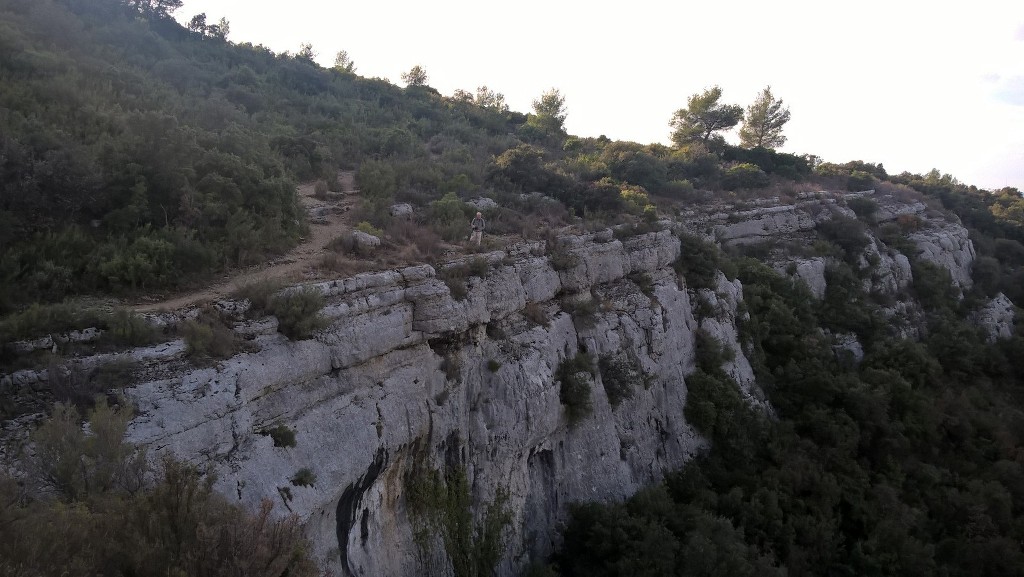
(549, 112)
(762, 125)
(703, 117)
(416, 76)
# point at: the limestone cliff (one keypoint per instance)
(405, 372)
(406, 375)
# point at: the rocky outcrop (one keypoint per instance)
(996, 318)
(947, 244)
(406, 375)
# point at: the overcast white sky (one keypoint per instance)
(913, 84)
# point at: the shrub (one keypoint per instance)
(82, 388)
(369, 229)
(455, 277)
(281, 435)
(260, 294)
(859, 180)
(575, 386)
(745, 175)
(636, 228)
(39, 320)
(534, 312)
(619, 375)
(863, 207)
(644, 282)
(320, 189)
(209, 337)
(479, 267)
(304, 477)
(583, 311)
(848, 233)
(449, 217)
(711, 354)
(493, 365)
(297, 313)
(698, 261)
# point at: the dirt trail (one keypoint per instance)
(328, 220)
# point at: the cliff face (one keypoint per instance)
(405, 374)
(407, 377)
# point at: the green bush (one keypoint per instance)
(282, 435)
(456, 279)
(620, 376)
(848, 233)
(744, 176)
(209, 337)
(304, 477)
(698, 262)
(575, 386)
(259, 294)
(859, 180)
(863, 207)
(493, 365)
(297, 312)
(369, 229)
(157, 527)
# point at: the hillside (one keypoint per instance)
(691, 360)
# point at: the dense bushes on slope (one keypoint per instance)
(906, 465)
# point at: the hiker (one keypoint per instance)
(478, 229)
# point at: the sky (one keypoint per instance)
(912, 84)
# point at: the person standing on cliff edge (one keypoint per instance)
(478, 229)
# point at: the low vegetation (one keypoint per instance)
(574, 376)
(441, 508)
(172, 525)
(298, 312)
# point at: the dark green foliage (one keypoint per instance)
(209, 337)
(562, 259)
(140, 156)
(259, 294)
(297, 312)
(904, 465)
(441, 506)
(160, 529)
(863, 207)
(620, 376)
(304, 477)
(82, 387)
(845, 306)
(770, 161)
(744, 175)
(120, 326)
(848, 233)
(493, 365)
(698, 262)
(574, 392)
(859, 180)
(933, 286)
(282, 435)
(456, 278)
(711, 354)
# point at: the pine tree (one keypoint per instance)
(763, 123)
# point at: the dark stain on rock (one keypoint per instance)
(349, 503)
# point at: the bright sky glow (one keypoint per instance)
(912, 84)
